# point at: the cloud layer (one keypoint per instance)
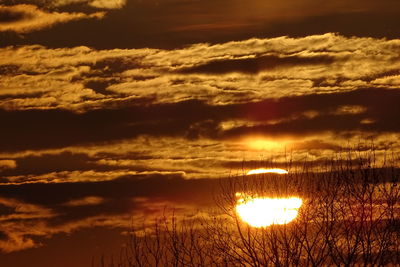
(27, 18)
(112, 111)
(175, 24)
(82, 78)
(94, 136)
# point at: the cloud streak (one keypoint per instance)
(27, 18)
(82, 78)
(51, 209)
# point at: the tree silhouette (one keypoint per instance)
(350, 217)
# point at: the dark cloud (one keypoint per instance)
(119, 194)
(380, 106)
(3, 236)
(93, 243)
(6, 210)
(348, 24)
(256, 65)
(9, 69)
(377, 100)
(268, 163)
(39, 129)
(99, 86)
(46, 163)
(9, 15)
(110, 207)
(47, 207)
(112, 66)
(163, 24)
(171, 187)
(302, 127)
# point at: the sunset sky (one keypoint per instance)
(111, 110)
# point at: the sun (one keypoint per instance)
(264, 211)
(263, 170)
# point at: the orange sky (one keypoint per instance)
(114, 109)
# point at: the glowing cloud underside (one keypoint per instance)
(262, 170)
(262, 212)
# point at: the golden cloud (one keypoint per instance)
(108, 4)
(29, 221)
(7, 164)
(102, 4)
(28, 18)
(227, 73)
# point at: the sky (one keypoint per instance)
(112, 110)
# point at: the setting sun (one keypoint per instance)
(199, 133)
(263, 170)
(262, 212)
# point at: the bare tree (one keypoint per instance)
(349, 217)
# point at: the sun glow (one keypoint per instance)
(263, 170)
(260, 143)
(263, 211)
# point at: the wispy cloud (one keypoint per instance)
(235, 72)
(117, 204)
(55, 4)
(27, 18)
(108, 4)
(20, 213)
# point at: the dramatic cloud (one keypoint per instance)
(27, 18)
(114, 111)
(33, 211)
(19, 213)
(81, 78)
(175, 24)
(370, 111)
(113, 127)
